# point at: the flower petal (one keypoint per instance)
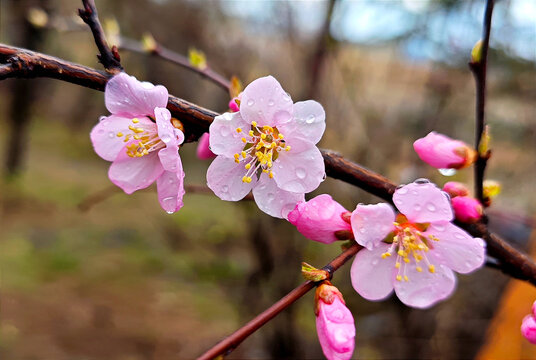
(167, 132)
(224, 177)
(265, 102)
(372, 223)
(456, 249)
(309, 122)
(372, 277)
(422, 201)
(134, 173)
(125, 95)
(273, 200)
(170, 187)
(104, 135)
(224, 139)
(299, 172)
(424, 289)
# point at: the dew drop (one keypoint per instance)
(337, 314)
(101, 131)
(301, 173)
(270, 196)
(439, 227)
(375, 262)
(169, 212)
(422, 181)
(447, 172)
(224, 131)
(310, 119)
(225, 188)
(459, 236)
(165, 138)
(271, 102)
(430, 207)
(103, 121)
(324, 177)
(417, 207)
(401, 191)
(362, 230)
(251, 102)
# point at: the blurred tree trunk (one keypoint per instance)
(23, 93)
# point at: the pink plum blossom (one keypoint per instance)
(528, 326)
(268, 146)
(414, 253)
(334, 323)
(467, 209)
(454, 188)
(442, 152)
(320, 219)
(140, 140)
(203, 150)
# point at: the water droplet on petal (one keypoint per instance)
(165, 138)
(225, 188)
(103, 121)
(271, 102)
(422, 181)
(447, 172)
(270, 196)
(459, 236)
(375, 262)
(251, 102)
(224, 131)
(301, 173)
(401, 191)
(439, 227)
(417, 207)
(431, 207)
(310, 119)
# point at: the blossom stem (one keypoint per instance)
(478, 68)
(108, 57)
(22, 63)
(175, 58)
(227, 345)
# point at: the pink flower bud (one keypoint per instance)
(454, 188)
(334, 323)
(203, 151)
(442, 152)
(528, 326)
(234, 103)
(319, 219)
(467, 209)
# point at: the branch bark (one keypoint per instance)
(478, 68)
(227, 345)
(109, 58)
(196, 120)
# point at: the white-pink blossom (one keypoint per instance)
(268, 146)
(414, 253)
(140, 140)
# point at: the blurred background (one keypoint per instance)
(87, 272)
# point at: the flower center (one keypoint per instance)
(147, 139)
(261, 148)
(410, 245)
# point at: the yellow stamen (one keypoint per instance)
(399, 277)
(431, 268)
(248, 166)
(254, 123)
(119, 134)
(135, 120)
(238, 130)
(244, 154)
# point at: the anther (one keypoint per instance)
(431, 268)
(135, 120)
(119, 134)
(399, 277)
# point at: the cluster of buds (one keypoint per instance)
(466, 208)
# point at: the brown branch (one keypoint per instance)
(478, 68)
(228, 344)
(109, 58)
(174, 58)
(196, 120)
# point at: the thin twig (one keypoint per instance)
(109, 58)
(175, 58)
(196, 120)
(478, 68)
(228, 344)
